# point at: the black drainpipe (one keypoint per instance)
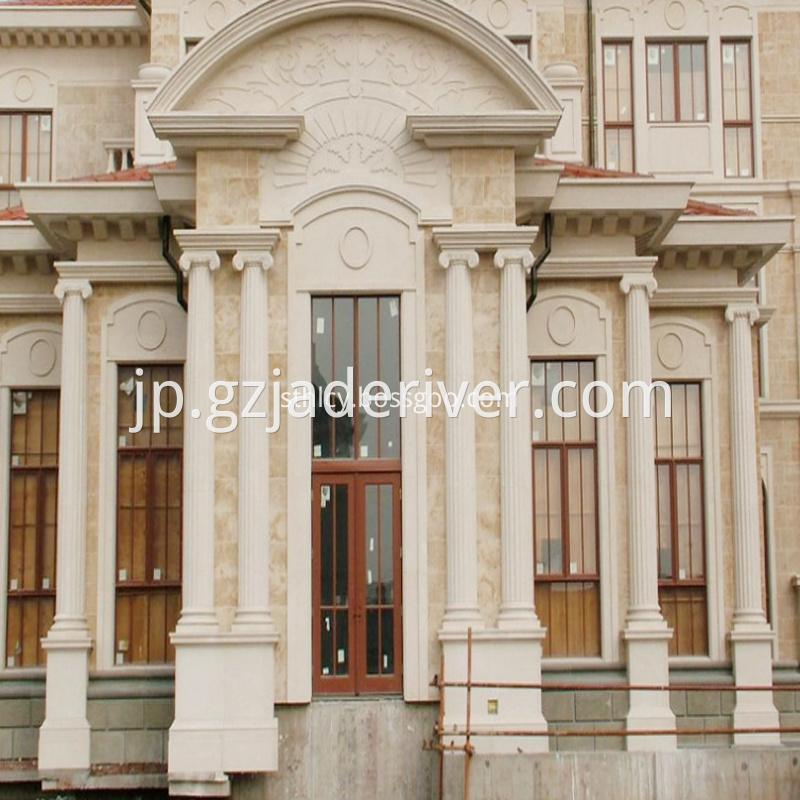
(166, 235)
(541, 258)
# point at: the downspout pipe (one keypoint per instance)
(547, 222)
(166, 235)
(590, 57)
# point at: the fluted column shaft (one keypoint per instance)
(642, 519)
(73, 460)
(746, 524)
(198, 469)
(461, 528)
(516, 521)
(254, 487)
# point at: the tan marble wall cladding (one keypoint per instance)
(165, 37)
(278, 290)
(86, 115)
(779, 67)
(227, 187)
(437, 551)
(483, 186)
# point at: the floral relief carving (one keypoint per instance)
(418, 71)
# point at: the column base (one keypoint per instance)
(65, 734)
(751, 648)
(648, 665)
(497, 657)
(224, 707)
(457, 619)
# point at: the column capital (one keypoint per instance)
(199, 258)
(747, 310)
(467, 257)
(514, 255)
(638, 281)
(73, 286)
(253, 258)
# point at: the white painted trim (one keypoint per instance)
(107, 488)
(606, 468)
(779, 409)
(299, 632)
(770, 562)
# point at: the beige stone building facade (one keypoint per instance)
(222, 221)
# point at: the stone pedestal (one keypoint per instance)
(497, 657)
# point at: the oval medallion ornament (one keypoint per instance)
(355, 247)
(42, 358)
(675, 15)
(23, 89)
(216, 13)
(671, 352)
(499, 15)
(151, 330)
(562, 326)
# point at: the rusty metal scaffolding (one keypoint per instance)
(438, 743)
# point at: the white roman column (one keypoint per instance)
(64, 738)
(751, 637)
(197, 612)
(646, 632)
(253, 610)
(461, 610)
(516, 482)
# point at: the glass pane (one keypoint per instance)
(654, 112)
(373, 641)
(664, 505)
(342, 643)
(538, 401)
(342, 516)
(700, 104)
(731, 152)
(745, 152)
(552, 554)
(389, 363)
(686, 81)
(696, 566)
(667, 77)
(327, 643)
(327, 557)
(368, 371)
(322, 372)
(387, 641)
(729, 111)
(589, 512)
(694, 439)
(571, 402)
(373, 541)
(610, 67)
(386, 544)
(743, 109)
(343, 359)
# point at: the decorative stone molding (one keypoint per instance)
(464, 258)
(30, 356)
(26, 88)
(456, 31)
(72, 286)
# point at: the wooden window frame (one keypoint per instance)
(38, 594)
(738, 124)
(616, 126)
(676, 80)
(357, 681)
(675, 585)
(566, 577)
(7, 187)
(150, 587)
